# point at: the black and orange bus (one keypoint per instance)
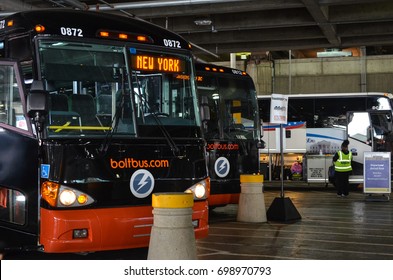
(231, 125)
(97, 113)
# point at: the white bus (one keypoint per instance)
(317, 125)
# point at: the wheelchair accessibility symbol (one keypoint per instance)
(45, 169)
(141, 183)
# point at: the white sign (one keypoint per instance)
(279, 109)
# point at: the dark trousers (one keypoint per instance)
(342, 182)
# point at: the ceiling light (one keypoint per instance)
(334, 53)
(203, 21)
(244, 55)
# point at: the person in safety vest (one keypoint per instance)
(342, 167)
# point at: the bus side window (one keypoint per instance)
(11, 110)
(302, 110)
(12, 206)
(2, 49)
(19, 48)
(3, 113)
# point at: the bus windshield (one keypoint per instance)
(228, 107)
(321, 111)
(97, 88)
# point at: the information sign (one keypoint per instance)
(377, 172)
(278, 108)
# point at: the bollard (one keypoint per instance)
(251, 201)
(172, 235)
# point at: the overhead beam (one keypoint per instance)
(346, 2)
(158, 4)
(15, 5)
(242, 21)
(320, 15)
(368, 41)
(226, 48)
(266, 35)
(368, 12)
(215, 8)
(365, 29)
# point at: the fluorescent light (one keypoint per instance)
(334, 53)
(203, 21)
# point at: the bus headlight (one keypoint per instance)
(67, 197)
(62, 196)
(200, 190)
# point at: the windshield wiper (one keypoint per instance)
(119, 112)
(171, 143)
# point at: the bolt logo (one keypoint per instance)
(141, 183)
(222, 167)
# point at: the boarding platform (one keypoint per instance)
(330, 228)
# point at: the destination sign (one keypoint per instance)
(157, 63)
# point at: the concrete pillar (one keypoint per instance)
(172, 235)
(252, 200)
(233, 60)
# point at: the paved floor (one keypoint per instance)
(330, 228)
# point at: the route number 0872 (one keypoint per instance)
(172, 43)
(70, 31)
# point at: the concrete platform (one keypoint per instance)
(330, 228)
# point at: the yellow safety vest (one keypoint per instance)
(343, 163)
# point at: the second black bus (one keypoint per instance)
(231, 125)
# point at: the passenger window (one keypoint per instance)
(301, 110)
(359, 126)
(11, 110)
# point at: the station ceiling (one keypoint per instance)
(260, 29)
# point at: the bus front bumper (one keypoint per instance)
(90, 230)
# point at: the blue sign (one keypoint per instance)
(377, 172)
(45, 169)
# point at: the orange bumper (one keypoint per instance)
(108, 228)
(223, 199)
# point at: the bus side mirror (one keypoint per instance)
(261, 144)
(37, 104)
(37, 100)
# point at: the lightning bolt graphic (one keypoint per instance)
(143, 181)
(222, 166)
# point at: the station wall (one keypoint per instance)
(322, 75)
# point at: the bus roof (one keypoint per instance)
(76, 23)
(208, 67)
(335, 94)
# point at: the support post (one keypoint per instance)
(251, 201)
(172, 235)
